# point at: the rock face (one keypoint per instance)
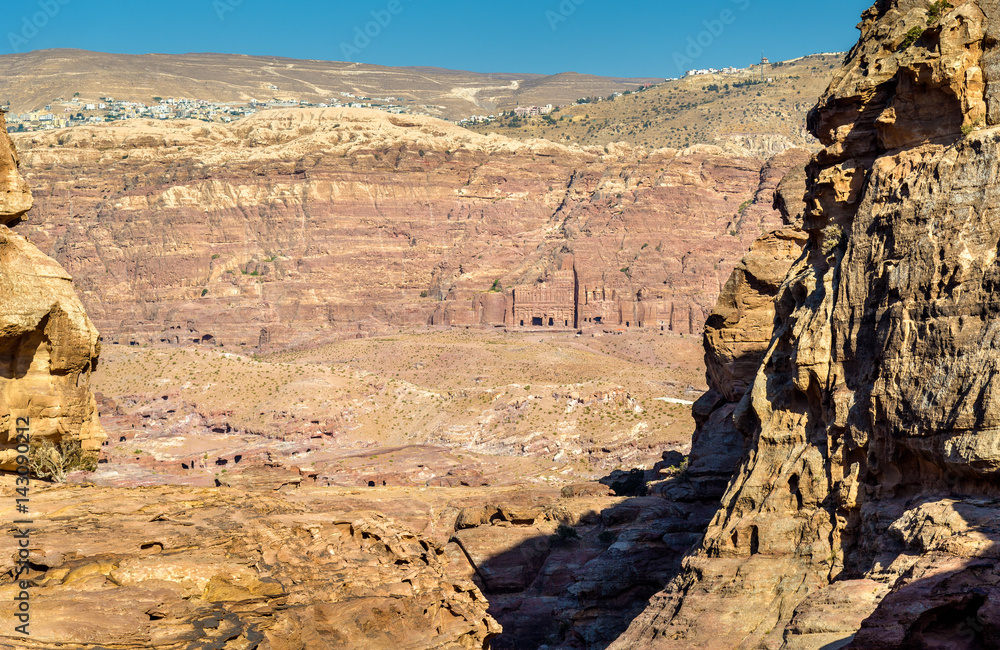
(737, 336)
(48, 346)
(297, 226)
(868, 489)
(174, 568)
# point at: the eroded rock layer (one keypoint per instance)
(48, 346)
(180, 568)
(864, 510)
(294, 226)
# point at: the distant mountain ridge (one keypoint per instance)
(30, 81)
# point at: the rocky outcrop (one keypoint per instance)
(737, 336)
(868, 488)
(172, 568)
(48, 346)
(292, 227)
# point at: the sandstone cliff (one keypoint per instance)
(48, 346)
(295, 226)
(872, 416)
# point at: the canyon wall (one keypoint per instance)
(296, 226)
(863, 511)
(48, 346)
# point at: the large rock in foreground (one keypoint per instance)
(173, 568)
(864, 511)
(48, 346)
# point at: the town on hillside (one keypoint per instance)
(77, 111)
(62, 113)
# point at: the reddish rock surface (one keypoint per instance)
(297, 226)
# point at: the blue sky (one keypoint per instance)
(648, 38)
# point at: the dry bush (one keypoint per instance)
(46, 460)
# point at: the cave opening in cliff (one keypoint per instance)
(552, 322)
(536, 322)
(793, 486)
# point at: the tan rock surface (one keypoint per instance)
(48, 346)
(186, 567)
(738, 334)
(877, 393)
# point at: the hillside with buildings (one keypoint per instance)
(44, 89)
(761, 108)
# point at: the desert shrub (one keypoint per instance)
(47, 460)
(937, 9)
(833, 238)
(677, 471)
(911, 37)
(564, 535)
(608, 537)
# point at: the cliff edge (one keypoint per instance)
(863, 510)
(48, 346)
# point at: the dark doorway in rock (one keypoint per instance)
(537, 322)
(552, 322)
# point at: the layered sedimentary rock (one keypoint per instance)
(48, 346)
(737, 336)
(864, 511)
(173, 568)
(294, 226)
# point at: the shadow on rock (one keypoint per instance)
(574, 573)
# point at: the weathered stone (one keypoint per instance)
(179, 568)
(877, 390)
(292, 227)
(48, 346)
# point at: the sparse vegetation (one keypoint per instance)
(564, 535)
(937, 10)
(833, 239)
(683, 112)
(47, 460)
(967, 129)
(912, 36)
